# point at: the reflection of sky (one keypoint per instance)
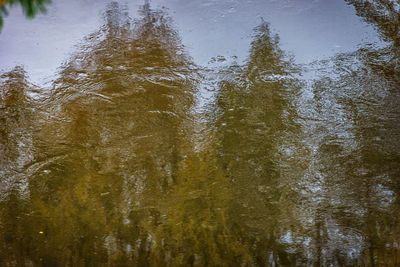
(309, 29)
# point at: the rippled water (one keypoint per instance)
(201, 133)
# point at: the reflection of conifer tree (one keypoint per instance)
(257, 134)
(359, 159)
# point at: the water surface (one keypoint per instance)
(201, 133)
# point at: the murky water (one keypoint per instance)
(201, 133)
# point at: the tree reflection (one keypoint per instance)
(359, 160)
(384, 14)
(257, 142)
(15, 114)
(15, 150)
(111, 144)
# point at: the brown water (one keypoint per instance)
(160, 141)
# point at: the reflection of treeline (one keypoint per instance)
(106, 169)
